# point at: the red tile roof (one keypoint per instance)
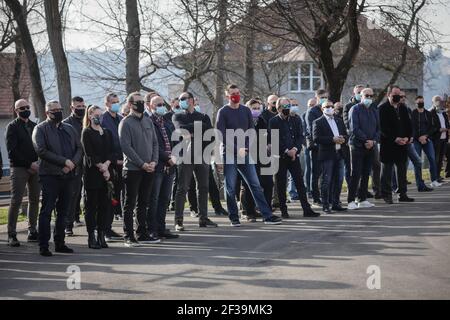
(6, 74)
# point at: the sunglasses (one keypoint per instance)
(368, 96)
(24, 108)
(160, 105)
(56, 110)
(184, 98)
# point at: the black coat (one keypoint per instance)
(19, 144)
(393, 125)
(418, 128)
(163, 157)
(290, 133)
(323, 137)
(436, 124)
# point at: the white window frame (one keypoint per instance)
(299, 77)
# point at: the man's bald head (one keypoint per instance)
(21, 103)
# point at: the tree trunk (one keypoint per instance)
(220, 51)
(15, 83)
(132, 47)
(55, 36)
(33, 66)
(250, 51)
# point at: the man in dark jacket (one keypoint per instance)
(440, 137)
(59, 149)
(164, 172)
(355, 99)
(78, 109)
(396, 134)
(364, 137)
(111, 120)
(291, 141)
(330, 134)
(307, 153)
(24, 172)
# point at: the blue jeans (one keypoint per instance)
(417, 162)
(428, 148)
(159, 202)
(248, 174)
(332, 179)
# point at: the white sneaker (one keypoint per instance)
(365, 204)
(352, 206)
(435, 184)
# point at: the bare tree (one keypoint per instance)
(132, 47)
(19, 12)
(55, 36)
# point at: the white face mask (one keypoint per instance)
(329, 112)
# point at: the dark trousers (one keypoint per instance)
(159, 202)
(376, 171)
(138, 187)
(214, 193)
(295, 169)
(386, 177)
(192, 196)
(98, 209)
(56, 194)
(447, 155)
(316, 171)
(440, 146)
(332, 179)
(185, 174)
(74, 206)
(362, 162)
(267, 185)
(118, 193)
(347, 163)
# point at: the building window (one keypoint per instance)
(305, 77)
(265, 47)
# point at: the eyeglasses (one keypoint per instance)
(368, 96)
(160, 105)
(56, 110)
(329, 107)
(184, 98)
(24, 108)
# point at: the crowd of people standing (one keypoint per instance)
(119, 162)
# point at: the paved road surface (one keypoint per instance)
(323, 258)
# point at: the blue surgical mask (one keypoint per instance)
(323, 100)
(197, 108)
(115, 108)
(160, 111)
(296, 110)
(358, 97)
(184, 105)
(178, 110)
(368, 102)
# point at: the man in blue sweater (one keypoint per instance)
(233, 117)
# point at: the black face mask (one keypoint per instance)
(421, 105)
(25, 114)
(80, 113)
(139, 106)
(57, 116)
(338, 111)
(96, 121)
(274, 109)
(396, 98)
(286, 112)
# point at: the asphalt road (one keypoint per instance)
(325, 258)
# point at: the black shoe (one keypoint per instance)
(440, 180)
(63, 249)
(311, 214)
(69, 232)
(405, 198)
(13, 242)
(147, 239)
(236, 223)
(102, 240)
(168, 235)
(388, 200)
(370, 195)
(45, 252)
(338, 208)
(426, 189)
(112, 236)
(221, 212)
(92, 242)
(273, 220)
(327, 210)
(33, 237)
(205, 223)
(285, 215)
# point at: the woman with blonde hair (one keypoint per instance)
(98, 156)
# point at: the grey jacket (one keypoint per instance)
(138, 141)
(47, 145)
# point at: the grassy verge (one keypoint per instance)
(4, 216)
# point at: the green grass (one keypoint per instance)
(4, 216)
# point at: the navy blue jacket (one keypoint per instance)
(312, 114)
(108, 122)
(290, 133)
(364, 125)
(323, 136)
